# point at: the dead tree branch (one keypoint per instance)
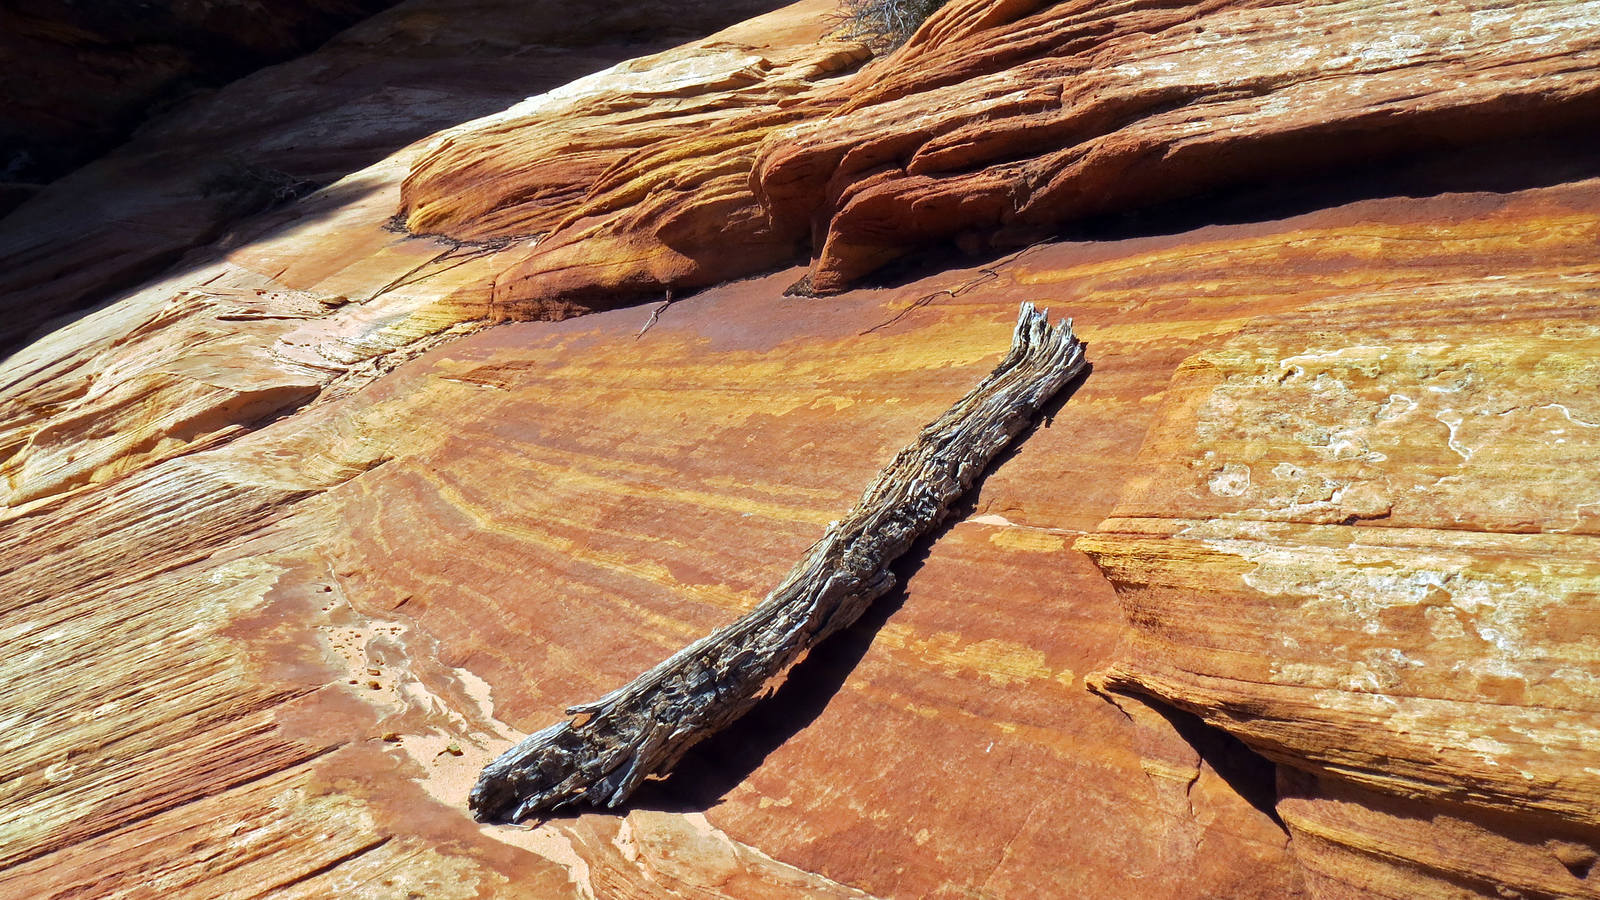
(646, 726)
(655, 315)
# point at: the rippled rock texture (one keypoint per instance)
(999, 123)
(1293, 596)
(179, 188)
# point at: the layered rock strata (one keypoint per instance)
(997, 124)
(458, 530)
(178, 191)
(294, 542)
(322, 294)
(1363, 543)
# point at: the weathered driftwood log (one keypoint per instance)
(646, 726)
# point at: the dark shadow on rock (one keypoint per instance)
(1522, 156)
(1251, 775)
(720, 763)
(168, 200)
(1519, 159)
(89, 73)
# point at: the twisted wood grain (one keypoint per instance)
(646, 726)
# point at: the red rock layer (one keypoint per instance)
(535, 513)
(635, 180)
(997, 124)
(1004, 119)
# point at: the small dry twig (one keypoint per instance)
(646, 726)
(884, 24)
(655, 315)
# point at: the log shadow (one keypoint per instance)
(721, 762)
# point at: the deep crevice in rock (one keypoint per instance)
(1251, 775)
(1519, 159)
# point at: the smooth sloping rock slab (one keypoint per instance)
(234, 653)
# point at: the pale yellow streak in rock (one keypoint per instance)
(1373, 241)
(605, 485)
(140, 651)
(1006, 663)
(404, 867)
(1028, 540)
(643, 569)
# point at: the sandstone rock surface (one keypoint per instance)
(294, 541)
(177, 190)
(1363, 543)
(999, 123)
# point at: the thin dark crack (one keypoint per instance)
(329, 866)
(986, 274)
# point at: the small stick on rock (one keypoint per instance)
(646, 726)
(655, 316)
